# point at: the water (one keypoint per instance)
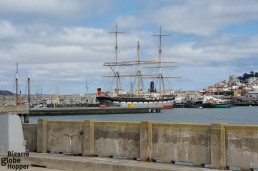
(234, 115)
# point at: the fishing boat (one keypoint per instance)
(197, 104)
(160, 98)
(208, 102)
(211, 102)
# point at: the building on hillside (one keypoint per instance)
(252, 94)
(251, 80)
(233, 80)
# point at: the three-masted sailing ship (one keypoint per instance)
(139, 99)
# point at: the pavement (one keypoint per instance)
(30, 169)
(58, 162)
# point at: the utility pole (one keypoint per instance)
(16, 84)
(29, 91)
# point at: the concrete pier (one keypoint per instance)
(20, 110)
(90, 111)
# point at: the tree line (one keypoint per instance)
(246, 76)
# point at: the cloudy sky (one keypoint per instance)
(62, 44)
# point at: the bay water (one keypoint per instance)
(233, 116)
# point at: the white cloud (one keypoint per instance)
(69, 45)
(62, 54)
(131, 22)
(202, 17)
(8, 30)
(47, 7)
(219, 50)
(70, 55)
(55, 9)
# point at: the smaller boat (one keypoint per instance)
(191, 106)
(197, 104)
(211, 102)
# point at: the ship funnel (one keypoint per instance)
(99, 91)
(152, 88)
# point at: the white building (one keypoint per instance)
(252, 94)
(233, 80)
(251, 80)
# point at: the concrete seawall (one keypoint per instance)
(48, 162)
(218, 145)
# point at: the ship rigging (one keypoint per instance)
(159, 98)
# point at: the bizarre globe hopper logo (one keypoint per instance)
(14, 160)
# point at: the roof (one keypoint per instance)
(255, 91)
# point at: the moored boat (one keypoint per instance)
(137, 102)
(211, 102)
(189, 105)
(208, 102)
(140, 99)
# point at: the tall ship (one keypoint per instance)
(154, 97)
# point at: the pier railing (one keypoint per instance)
(217, 145)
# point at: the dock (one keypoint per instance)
(89, 111)
(21, 110)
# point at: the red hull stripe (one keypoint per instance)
(167, 107)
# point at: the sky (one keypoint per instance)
(62, 44)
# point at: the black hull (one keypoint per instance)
(209, 105)
(132, 99)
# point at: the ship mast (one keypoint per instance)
(161, 84)
(116, 32)
(139, 71)
(138, 62)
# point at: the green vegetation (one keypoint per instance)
(247, 76)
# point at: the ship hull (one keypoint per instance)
(209, 105)
(165, 103)
(193, 106)
(166, 106)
